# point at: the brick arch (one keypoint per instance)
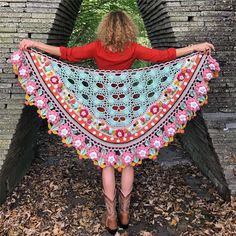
(208, 137)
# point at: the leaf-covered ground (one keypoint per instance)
(61, 195)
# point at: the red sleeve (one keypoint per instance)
(154, 55)
(78, 53)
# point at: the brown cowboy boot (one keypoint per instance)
(124, 203)
(110, 216)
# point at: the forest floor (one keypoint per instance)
(62, 195)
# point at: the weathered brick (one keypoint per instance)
(43, 15)
(17, 4)
(6, 40)
(15, 15)
(41, 10)
(6, 29)
(35, 20)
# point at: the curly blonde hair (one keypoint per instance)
(116, 30)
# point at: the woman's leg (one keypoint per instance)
(109, 191)
(127, 179)
(108, 181)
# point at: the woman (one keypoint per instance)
(116, 49)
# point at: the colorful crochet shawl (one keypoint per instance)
(115, 118)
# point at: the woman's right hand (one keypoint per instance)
(27, 43)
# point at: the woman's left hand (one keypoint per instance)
(203, 47)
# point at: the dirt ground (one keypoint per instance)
(62, 195)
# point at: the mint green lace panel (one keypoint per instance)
(110, 95)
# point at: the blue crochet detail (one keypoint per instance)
(134, 91)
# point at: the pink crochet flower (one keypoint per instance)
(154, 109)
(180, 76)
(169, 90)
(192, 104)
(201, 88)
(157, 142)
(64, 130)
(31, 87)
(207, 75)
(142, 151)
(54, 79)
(93, 153)
(120, 133)
(188, 70)
(47, 62)
(53, 117)
(59, 87)
(41, 101)
(78, 141)
(164, 105)
(110, 158)
(182, 117)
(170, 130)
(83, 112)
(72, 100)
(213, 64)
(16, 57)
(127, 157)
(24, 72)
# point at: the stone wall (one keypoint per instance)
(210, 137)
(47, 21)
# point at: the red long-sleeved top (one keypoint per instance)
(108, 60)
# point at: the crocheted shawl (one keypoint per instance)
(115, 118)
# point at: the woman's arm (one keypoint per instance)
(194, 47)
(73, 54)
(27, 43)
(157, 55)
(153, 55)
